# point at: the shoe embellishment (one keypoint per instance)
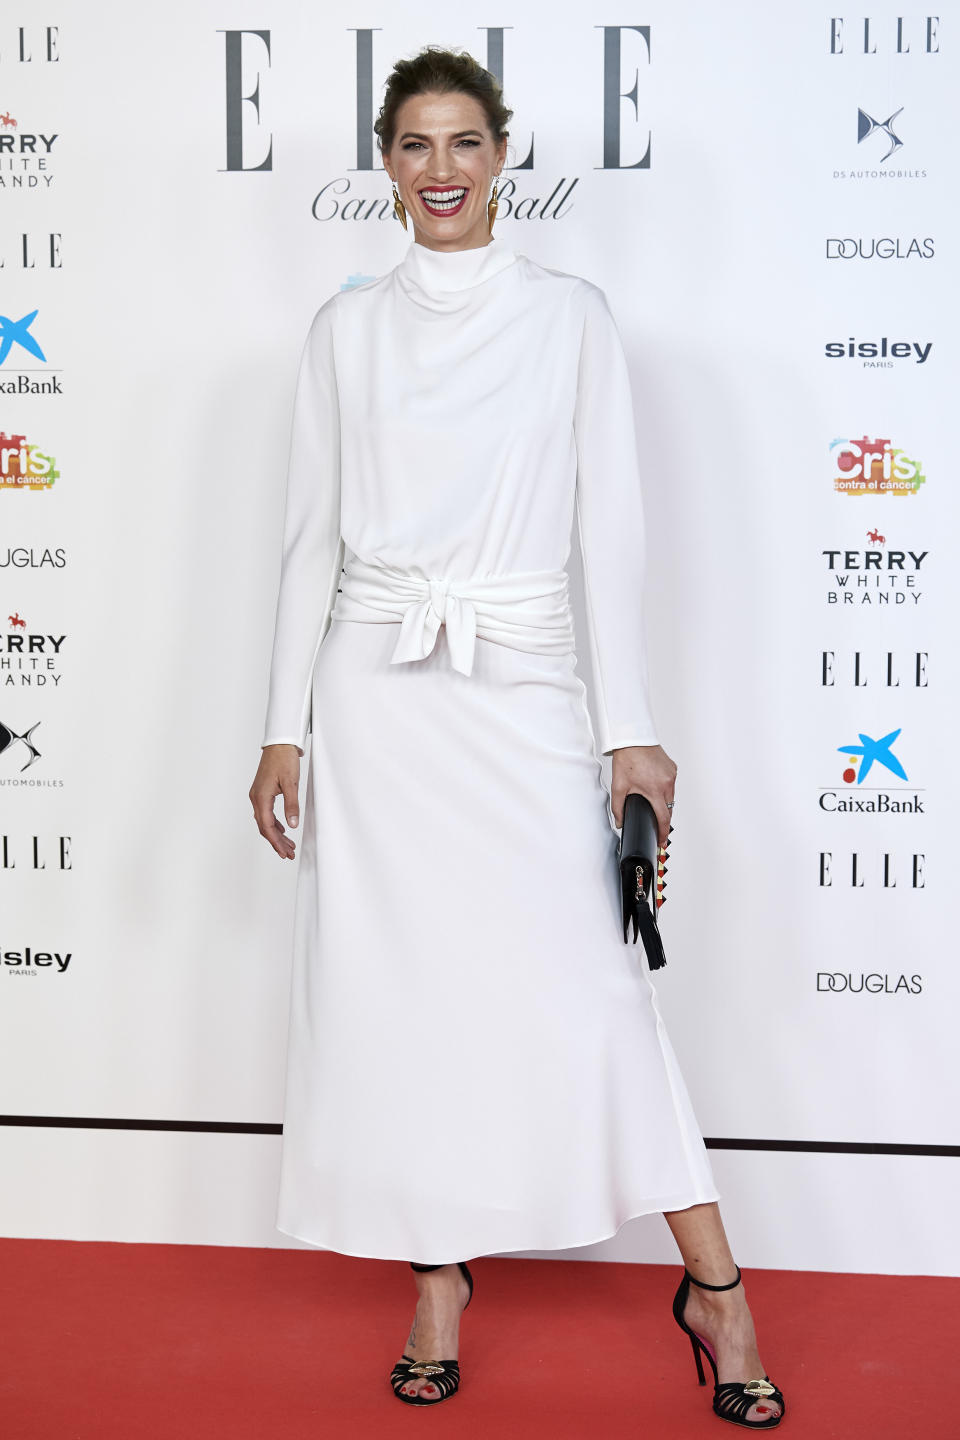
(426, 1367)
(759, 1389)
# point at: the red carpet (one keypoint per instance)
(177, 1342)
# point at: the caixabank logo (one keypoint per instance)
(27, 155)
(875, 756)
(25, 466)
(876, 575)
(874, 468)
(19, 344)
(361, 194)
(30, 659)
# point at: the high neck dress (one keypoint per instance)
(476, 1061)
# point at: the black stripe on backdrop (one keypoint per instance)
(239, 1127)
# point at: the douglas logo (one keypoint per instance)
(836, 982)
(884, 248)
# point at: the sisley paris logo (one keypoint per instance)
(874, 467)
(27, 961)
(878, 354)
(24, 466)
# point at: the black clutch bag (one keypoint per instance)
(643, 866)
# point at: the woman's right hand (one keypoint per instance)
(277, 774)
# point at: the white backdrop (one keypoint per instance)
(812, 983)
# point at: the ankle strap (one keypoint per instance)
(704, 1286)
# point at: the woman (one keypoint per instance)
(476, 1061)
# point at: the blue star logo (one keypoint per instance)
(17, 332)
(880, 751)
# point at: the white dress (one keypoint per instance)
(476, 1061)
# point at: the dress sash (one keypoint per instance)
(528, 610)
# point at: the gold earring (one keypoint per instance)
(400, 208)
(492, 205)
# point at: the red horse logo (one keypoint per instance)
(16, 620)
(876, 537)
(8, 119)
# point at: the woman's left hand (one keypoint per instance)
(649, 770)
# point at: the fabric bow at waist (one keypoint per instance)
(528, 610)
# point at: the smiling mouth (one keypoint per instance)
(443, 202)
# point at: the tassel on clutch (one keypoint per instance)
(643, 868)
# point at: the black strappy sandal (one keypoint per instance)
(731, 1401)
(445, 1374)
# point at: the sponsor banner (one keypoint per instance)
(784, 299)
(874, 467)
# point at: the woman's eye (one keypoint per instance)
(416, 144)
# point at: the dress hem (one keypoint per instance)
(708, 1199)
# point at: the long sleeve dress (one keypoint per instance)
(476, 1061)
